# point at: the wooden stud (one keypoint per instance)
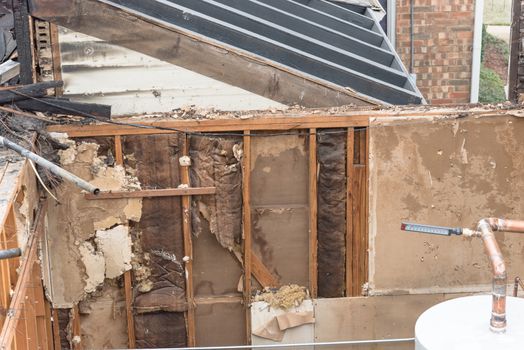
(246, 205)
(119, 154)
(359, 171)
(313, 214)
(56, 331)
(56, 56)
(128, 291)
(76, 329)
(31, 333)
(10, 327)
(128, 278)
(165, 192)
(350, 151)
(365, 213)
(188, 247)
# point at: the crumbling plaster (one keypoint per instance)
(88, 241)
(442, 171)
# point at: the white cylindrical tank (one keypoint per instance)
(463, 324)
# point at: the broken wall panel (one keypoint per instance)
(220, 324)
(160, 246)
(75, 266)
(160, 330)
(449, 172)
(331, 156)
(216, 163)
(103, 321)
(280, 205)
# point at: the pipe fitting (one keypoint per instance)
(486, 228)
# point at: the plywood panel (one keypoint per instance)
(380, 317)
(442, 172)
(220, 324)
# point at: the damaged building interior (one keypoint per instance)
(237, 174)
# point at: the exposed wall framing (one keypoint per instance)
(257, 270)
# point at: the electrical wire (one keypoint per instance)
(165, 128)
(74, 111)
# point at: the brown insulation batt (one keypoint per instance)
(216, 162)
(155, 157)
(331, 152)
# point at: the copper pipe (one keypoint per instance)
(518, 282)
(499, 288)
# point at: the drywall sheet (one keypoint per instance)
(159, 245)
(264, 321)
(378, 317)
(216, 162)
(449, 172)
(220, 324)
(103, 319)
(280, 205)
(331, 157)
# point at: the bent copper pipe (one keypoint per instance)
(485, 228)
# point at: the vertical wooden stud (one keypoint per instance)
(128, 278)
(77, 334)
(56, 331)
(188, 247)
(350, 174)
(246, 199)
(313, 214)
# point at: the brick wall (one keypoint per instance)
(443, 42)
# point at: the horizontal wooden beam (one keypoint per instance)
(165, 192)
(222, 299)
(188, 49)
(215, 125)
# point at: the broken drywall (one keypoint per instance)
(89, 238)
(216, 162)
(449, 172)
(103, 319)
(331, 221)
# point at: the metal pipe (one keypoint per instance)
(268, 346)
(499, 288)
(44, 163)
(10, 253)
(518, 282)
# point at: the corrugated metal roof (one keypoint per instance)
(318, 41)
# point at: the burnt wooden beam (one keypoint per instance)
(63, 106)
(23, 40)
(196, 52)
(27, 91)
